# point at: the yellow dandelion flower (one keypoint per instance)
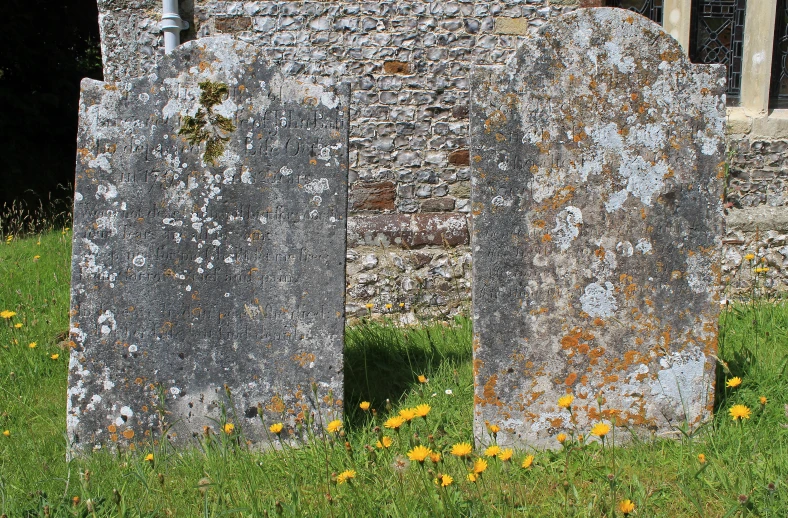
(527, 462)
(75, 500)
(492, 428)
(6, 314)
(385, 442)
(479, 465)
(18, 325)
(739, 412)
(55, 356)
(346, 476)
(364, 405)
(701, 458)
(276, 428)
(492, 451)
(394, 422)
(419, 453)
(561, 437)
(228, 428)
(444, 480)
(600, 429)
(435, 457)
(32, 345)
(473, 477)
(566, 401)
(422, 378)
(334, 426)
(388, 306)
(407, 414)
(626, 506)
(761, 269)
(422, 410)
(733, 382)
(749, 257)
(7, 433)
(370, 306)
(461, 449)
(402, 304)
(763, 400)
(505, 454)
(149, 457)
(36, 258)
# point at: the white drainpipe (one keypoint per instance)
(172, 25)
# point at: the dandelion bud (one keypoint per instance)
(116, 496)
(771, 487)
(75, 500)
(388, 405)
(610, 477)
(46, 512)
(88, 505)
(347, 445)
(87, 476)
(279, 509)
(161, 479)
(742, 499)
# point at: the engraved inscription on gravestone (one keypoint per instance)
(597, 160)
(209, 250)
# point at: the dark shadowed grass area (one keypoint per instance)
(725, 468)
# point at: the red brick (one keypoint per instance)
(396, 67)
(233, 24)
(373, 196)
(460, 157)
(437, 205)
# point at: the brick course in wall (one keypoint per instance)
(408, 63)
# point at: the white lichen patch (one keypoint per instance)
(598, 300)
(700, 276)
(317, 186)
(567, 227)
(106, 322)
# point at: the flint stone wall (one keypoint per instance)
(409, 63)
(597, 159)
(209, 251)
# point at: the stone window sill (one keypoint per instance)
(770, 125)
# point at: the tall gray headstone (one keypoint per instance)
(209, 250)
(597, 159)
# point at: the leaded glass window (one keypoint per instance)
(651, 9)
(778, 92)
(718, 37)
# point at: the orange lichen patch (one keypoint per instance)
(529, 365)
(144, 408)
(675, 275)
(611, 379)
(277, 405)
(496, 118)
(488, 391)
(539, 223)
(593, 84)
(477, 365)
(630, 290)
(304, 359)
(543, 148)
(112, 428)
(113, 437)
(579, 136)
(570, 380)
(499, 137)
(547, 238)
(203, 66)
(583, 381)
(599, 322)
(563, 195)
(128, 434)
(110, 87)
(600, 253)
(138, 381)
(557, 422)
(572, 339)
(477, 158)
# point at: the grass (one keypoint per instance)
(743, 474)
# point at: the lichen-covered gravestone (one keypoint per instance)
(597, 179)
(209, 251)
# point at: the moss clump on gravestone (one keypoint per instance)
(207, 126)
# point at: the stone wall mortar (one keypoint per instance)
(408, 63)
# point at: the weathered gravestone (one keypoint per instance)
(209, 250)
(597, 180)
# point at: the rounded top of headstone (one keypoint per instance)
(604, 36)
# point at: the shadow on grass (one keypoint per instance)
(384, 362)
